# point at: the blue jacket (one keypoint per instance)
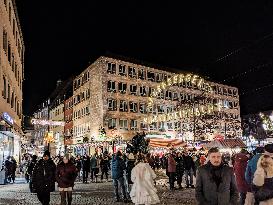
(118, 166)
(251, 168)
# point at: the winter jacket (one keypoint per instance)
(93, 162)
(251, 168)
(188, 163)
(207, 192)
(118, 166)
(66, 175)
(86, 164)
(30, 167)
(240, 164)
(105, 164)
(263, 180)
(179, 165)
(43, 176)
(171, 164)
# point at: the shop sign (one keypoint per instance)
(7, 118)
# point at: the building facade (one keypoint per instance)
(115, 93)
(12, 75)
(68, 118)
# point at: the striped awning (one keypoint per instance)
(227, 143)
(166, 143)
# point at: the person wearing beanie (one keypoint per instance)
(268, 150)
(43, 178)
(66, 174)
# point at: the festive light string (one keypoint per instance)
(47, 122)
(268, 124)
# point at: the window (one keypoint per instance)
(123, 124)
(175, 96)
(111, 68)
(158, 77)
(112, 104)
(160, 109)
(112, 123)
(13, 27)
(168, 95)
(143, 126)
(8, 99)
(152, 109)
(143, 91)
(235, 93)
(161, 127)
(133, 124)
(170, 126)
(133, 107)
(111, 86)
(177, 126)
(142, 108)
(87, 110)
(4, 92)
(153, 126)
(151, 90)
(133, 89)
(160, 95)
(142, 74)
(9, 13)
(122, 70)
(5, 41)
(9, 53)
(151, 76)
(12, 63)
(88, 93)
(122, 87)
(132, 72)
(123, 106)
(12, 99)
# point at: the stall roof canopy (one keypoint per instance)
(155, 142)
(226, 143)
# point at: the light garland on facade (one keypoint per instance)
(267, 123)
(47, 122)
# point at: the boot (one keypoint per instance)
(69, 197)
(63, 197)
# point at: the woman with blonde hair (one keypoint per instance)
(263, 181)
(143, 190)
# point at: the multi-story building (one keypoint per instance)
(12, 75)
(68, 118)
(114, 93)
(53, 110)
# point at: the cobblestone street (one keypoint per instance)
(92, 193)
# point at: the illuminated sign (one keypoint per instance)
(7, 118)
(47, 122)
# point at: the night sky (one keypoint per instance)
(230, 42)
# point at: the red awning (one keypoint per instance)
(166, 142)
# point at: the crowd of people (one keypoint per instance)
(243, 178)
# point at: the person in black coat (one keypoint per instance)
(179, 169)
(85, 168)
(189, 168)
(30, 168)
(43, 178)
(105, 166)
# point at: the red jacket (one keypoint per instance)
(171, 164)
(240, 165)
(66, 175)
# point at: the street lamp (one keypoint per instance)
(49, 139)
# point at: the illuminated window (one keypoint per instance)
(142, 108)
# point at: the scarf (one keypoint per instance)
(216, 173)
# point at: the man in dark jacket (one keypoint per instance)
(30, 168)
(43, 178)
(105, 166)
(189, 168)
(118, 167)
(85, 168)
(215, 182)
(179, 169)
